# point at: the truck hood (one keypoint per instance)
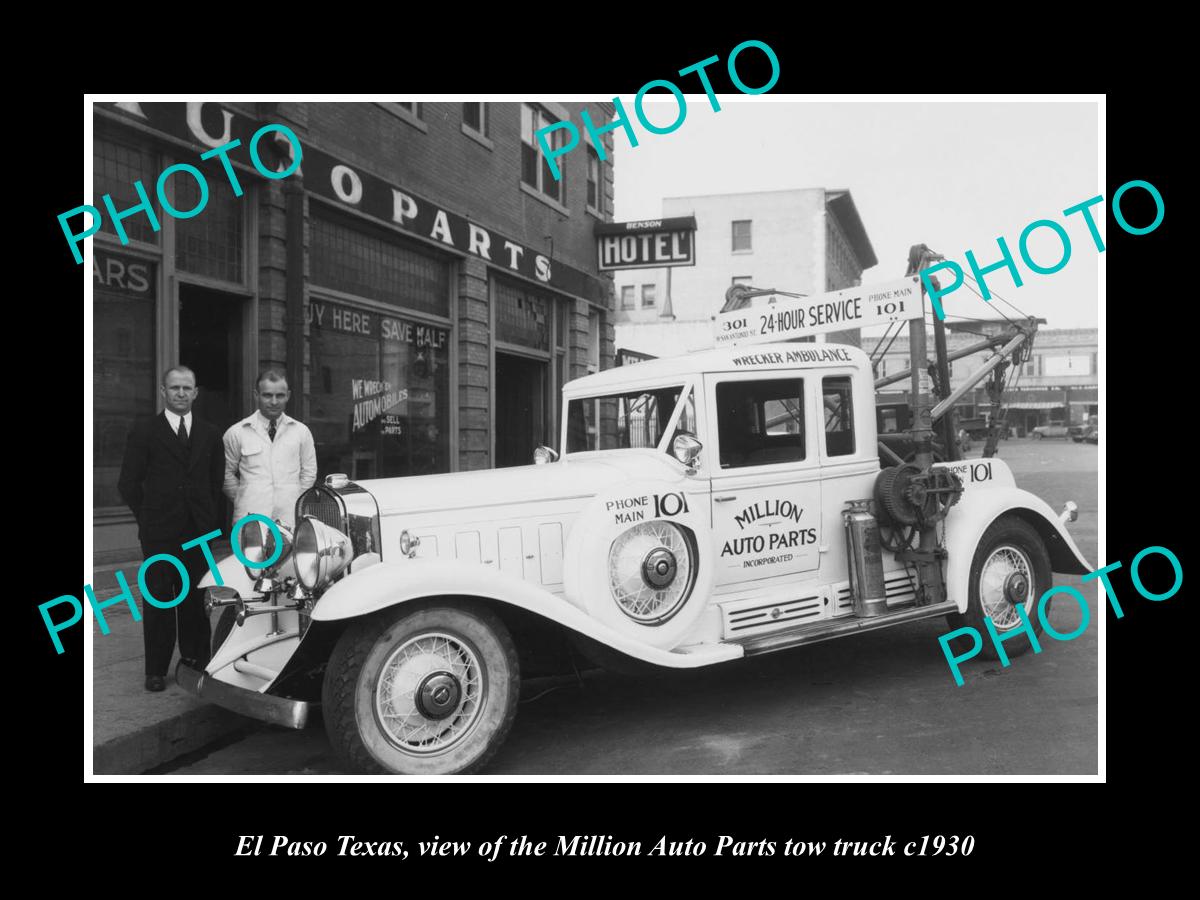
(580, 475)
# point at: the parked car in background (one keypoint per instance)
(1053, 430)
(1086, 432)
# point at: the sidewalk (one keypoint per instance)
(132, 729)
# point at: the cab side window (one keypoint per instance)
(839, 416)
(760, 422)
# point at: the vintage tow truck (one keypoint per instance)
(703, 509)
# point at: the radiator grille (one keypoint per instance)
(323, 506)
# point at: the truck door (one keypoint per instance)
(766, 489)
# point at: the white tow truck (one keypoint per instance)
(700, 509)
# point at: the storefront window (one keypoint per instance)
(118, 166)
(522, 316)
(370, 263)
(124, 382)
(379, 404)
(210, 243)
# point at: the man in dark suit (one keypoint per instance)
(171, 477)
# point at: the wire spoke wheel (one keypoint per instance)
(422, 690)
(429, 693)
(1010, 566)
(1005, 580)
(650, 570)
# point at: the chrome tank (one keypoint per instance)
(867, 586)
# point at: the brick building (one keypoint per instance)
(424, 281)
(808, 241)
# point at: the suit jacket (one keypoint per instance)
(172, 491)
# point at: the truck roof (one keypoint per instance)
(758, 357)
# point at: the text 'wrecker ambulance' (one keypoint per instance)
(703, 508)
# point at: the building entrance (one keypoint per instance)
(520, 408)
(210, 344)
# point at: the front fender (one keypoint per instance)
(233, 575)
(969, 519)
(387, 584)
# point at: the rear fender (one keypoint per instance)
(386, 585)
(974, 514)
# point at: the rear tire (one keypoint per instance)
(427, 691)
(1010, 561)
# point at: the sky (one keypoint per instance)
(951, 175)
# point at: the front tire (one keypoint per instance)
(430, 691)
(1010, 565)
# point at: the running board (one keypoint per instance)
(811, 634)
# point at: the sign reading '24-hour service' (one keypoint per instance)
(856, 307)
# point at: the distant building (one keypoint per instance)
(807, 241)
(1059, 383)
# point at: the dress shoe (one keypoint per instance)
(156, 683)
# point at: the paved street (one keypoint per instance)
(881, 703)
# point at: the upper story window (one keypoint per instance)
(627, 299)
(409, 112)
(648, 296)
(595, 192)
(760, 422)
(475, 117)
(741, 236)
(535, 170)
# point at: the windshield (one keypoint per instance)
(633, 419)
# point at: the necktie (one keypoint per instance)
(183, 435)
(271, 430)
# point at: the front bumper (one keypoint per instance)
(265, 707)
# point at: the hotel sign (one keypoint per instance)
(649, 244)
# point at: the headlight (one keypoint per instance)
(321, 553)
(258, 543)
(409, 543)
